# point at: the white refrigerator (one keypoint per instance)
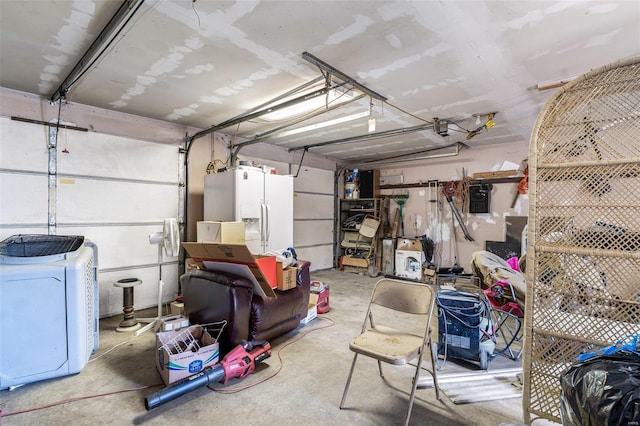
(263, 201)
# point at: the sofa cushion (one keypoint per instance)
(211, 296)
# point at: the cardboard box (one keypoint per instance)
(190, 265)
(220, 232)
(409, 244)
(287, 278)
(234, 259)
(177, 308)
(409, 264)
(174, 365)
(312, 312)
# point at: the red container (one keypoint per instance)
(322, 290)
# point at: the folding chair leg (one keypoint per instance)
(434, 373)
(505, 331)
(346, 387)
(414, 386)
(516, 337)
(380, 369)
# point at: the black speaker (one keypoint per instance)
(367, 184)
(480, 198)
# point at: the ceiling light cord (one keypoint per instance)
(407, 112)
(306, 148)
(193, 6)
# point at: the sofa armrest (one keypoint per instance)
(304, 282)
(211, 296)
(273, 316)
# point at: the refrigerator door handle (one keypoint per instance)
(262, 223)
(267, 225)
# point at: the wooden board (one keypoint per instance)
(388, 256)
(395, 224)
(355, 261)
(501, 173)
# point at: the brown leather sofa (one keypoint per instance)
(211, 296)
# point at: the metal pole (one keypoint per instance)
(123, 15)
(53, 176)
(342, 76)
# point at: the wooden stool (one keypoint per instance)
(129, 322)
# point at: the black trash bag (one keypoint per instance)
(602, 390)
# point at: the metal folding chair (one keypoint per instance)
(507, 316)
(396, 342)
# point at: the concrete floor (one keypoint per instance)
(306, 377)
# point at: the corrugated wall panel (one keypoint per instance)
(313, 232)
(309, 205)
(98, 201)
(315, 180)
(113, 190)
(125, 252)
(313, 216)
(23, 198)
(118, 157)
(29, 151)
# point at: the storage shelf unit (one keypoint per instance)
(349, 208)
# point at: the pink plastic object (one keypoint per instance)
(513, 262)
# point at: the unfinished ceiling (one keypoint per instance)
(200, 63)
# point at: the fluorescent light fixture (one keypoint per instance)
(334, 97)
(322, 124)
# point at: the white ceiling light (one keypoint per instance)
(322, 124)
(333, 97)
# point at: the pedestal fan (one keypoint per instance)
(169, 240)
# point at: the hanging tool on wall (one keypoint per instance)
(448, 190)
(523, 186)
(238, 363)
(401, 200)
